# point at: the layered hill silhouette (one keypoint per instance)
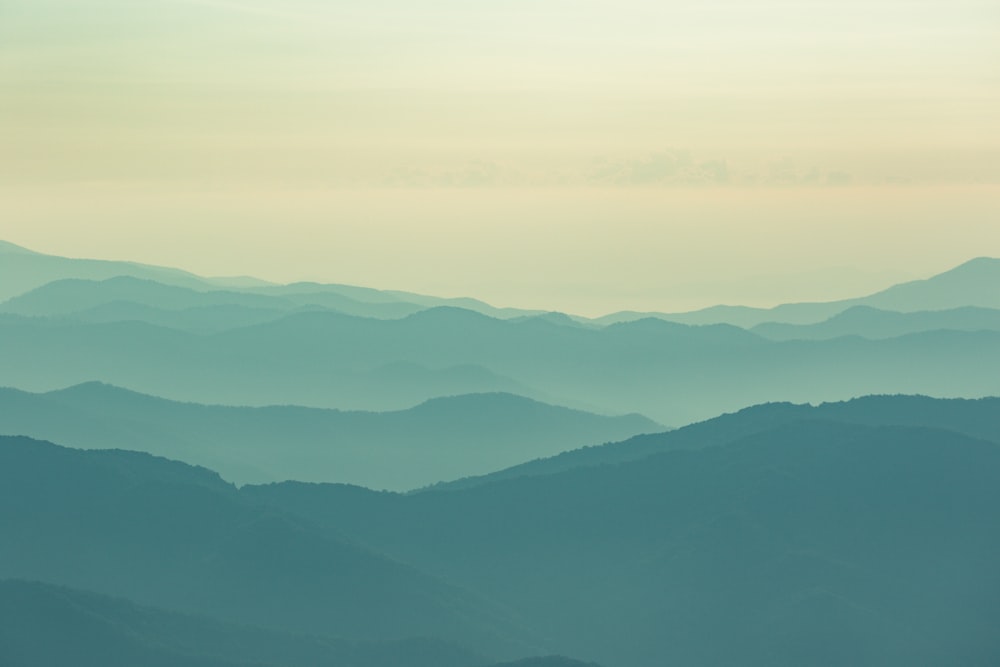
(810, 543)
(974, 283)
(126, 298)
(187, 338)
(858, 533)
(43, 625)
(671, 372)
(869, 322)
(166, 534)
(971, 284)
(446, 438)
(979, 418)
(22, 271)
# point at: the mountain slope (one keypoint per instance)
(148, 299)
(42, 625)
(979, 418)
(166, 534)
(810, 543)
(869, 322)
(673, 373)
(442, 439)
(974, 283)
(22, 270)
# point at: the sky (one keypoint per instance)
(582, 155)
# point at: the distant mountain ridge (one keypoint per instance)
(872, 323)
(23, 270)
(444, 438)
(297, 344)
(973, 283)
(673, 373)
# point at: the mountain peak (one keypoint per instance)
(977, 264)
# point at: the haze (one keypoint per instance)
(584, 156)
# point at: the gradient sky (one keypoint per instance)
(582, 155)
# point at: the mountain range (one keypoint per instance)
(71, 286)
(673, 373)
(261, 345)
(972, 283)
(812, 542)
(849, 534)
(100, 631)
(442, 439)
(23, 271)
(204, 472)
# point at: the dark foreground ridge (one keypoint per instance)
(42, 625)
(800, 540)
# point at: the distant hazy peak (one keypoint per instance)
(448, 313)
(975, 265)
(7, 248)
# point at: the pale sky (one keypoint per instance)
(580, 155)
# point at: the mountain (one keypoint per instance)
(979, 418)
(62, 297)
(126, 297)
(22, 271)
(43, 625)
(974, 283)
(231, 368)
(800, 539)
(671, 372)
(441, 439)
(165, 534)
(869, 322)
(810, 543)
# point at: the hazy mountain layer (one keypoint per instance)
(671, 372)
(166, 534)
(42, 625)
(443, 439)
(813, 543)
(22, 271)
(125, 297)
(974, 283)
(979, 418)
(870, 322)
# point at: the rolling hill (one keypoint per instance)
(978, 418)
(673, 373)
(43, 625)
(165, 534)
(809, 543)
(973, 283)
(800, 537)
(441, 439)
(22, 271)
(873, 323)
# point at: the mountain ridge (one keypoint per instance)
(441, 438)
(936, 292)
